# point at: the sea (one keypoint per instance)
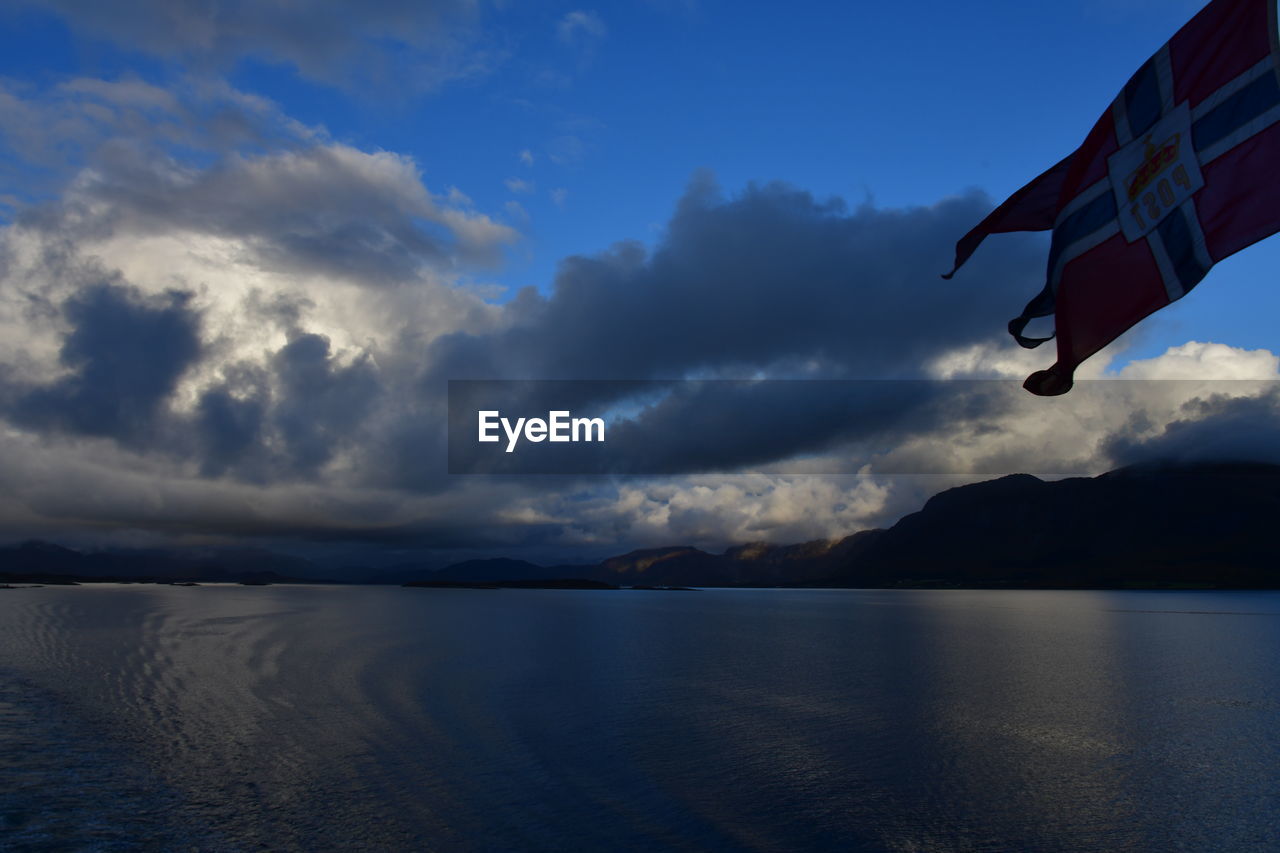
(313, 718)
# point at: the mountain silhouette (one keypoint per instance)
(1203, 525)
(1210, 525)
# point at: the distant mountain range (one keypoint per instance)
(1204, 525)
(44, 562)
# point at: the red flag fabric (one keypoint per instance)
(1031, 208)
(1181, 171)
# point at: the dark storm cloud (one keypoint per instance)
(320, 403)
(721, 425)
(772, 279)
(125, 355)
(729, 426)
(230, 422)
(418, 45)
(771, 282)
(284, 421)
(1214, 428)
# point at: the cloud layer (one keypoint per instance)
(218, 323)
(384, 41)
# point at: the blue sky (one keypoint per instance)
(246, 242)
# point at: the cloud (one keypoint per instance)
(64, 128)
(123, 355)
(309, 272)
(321, 402)
(516, 212)
(778, 426)
(774, 284)
(97, 490)
(772, 279)
(390, 42)
(519, 185)
(1218, 427)
(566, 149)
(230, 423)
(1118, 417)
(581, 28)
(326, 208)
(1197, 360)
(310, 299)
(710, 512)
(526, 157)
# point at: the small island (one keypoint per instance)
(550, 583)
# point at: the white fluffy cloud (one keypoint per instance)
(1207, 361)
(309, 279)
(712, 511)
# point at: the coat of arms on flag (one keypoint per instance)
(1181, 171)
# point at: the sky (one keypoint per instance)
(245, 246)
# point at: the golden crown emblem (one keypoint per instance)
(1156, 159)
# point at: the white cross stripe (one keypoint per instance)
(1240, 134)
(1164, 81)
(1120, 118)
(1102, 187)
(1172, 284)
(1231, 87)
(1197, 236)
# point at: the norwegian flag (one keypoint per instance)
(1179, 173)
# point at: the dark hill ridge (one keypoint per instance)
(1152, 525)
(498, 569)
(1201, 525)
(1198, 525)
(44, 562)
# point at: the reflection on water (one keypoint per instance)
(315, 718)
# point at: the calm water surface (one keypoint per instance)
(333, 718)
